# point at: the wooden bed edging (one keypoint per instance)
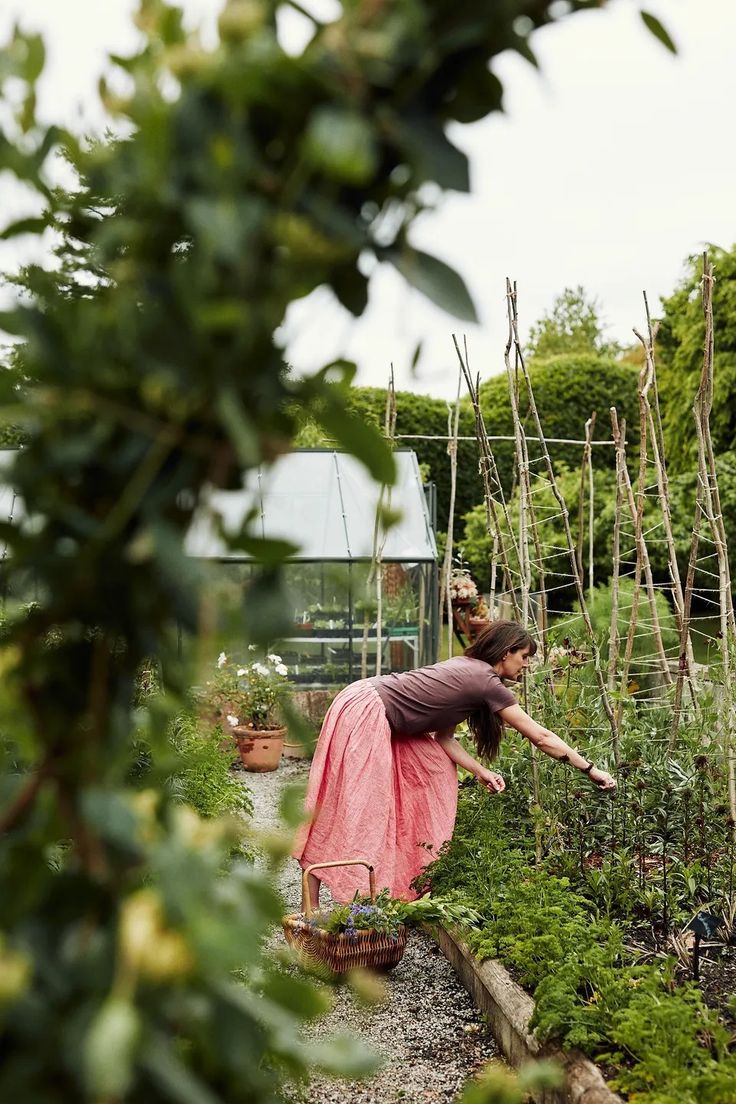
(509, 1009)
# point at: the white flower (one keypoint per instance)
(242, 671)
(281, 669)
(221, 659)
(261, 669)
(232, 721)
(251, 647)
(274, 658)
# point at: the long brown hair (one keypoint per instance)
(491, 646)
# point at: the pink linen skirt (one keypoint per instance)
(388, 799)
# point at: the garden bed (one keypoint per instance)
(509, 1009)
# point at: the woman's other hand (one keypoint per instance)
(602, 780)
(492, 781)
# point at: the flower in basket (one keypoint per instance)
(387, 914)
(462, 587)
(367, 932)
(249, 694)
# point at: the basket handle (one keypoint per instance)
(344, 862)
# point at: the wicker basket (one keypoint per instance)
(341, 951)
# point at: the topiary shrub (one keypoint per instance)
(567, 389)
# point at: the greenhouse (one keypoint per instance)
(348, 619)
(327, 503)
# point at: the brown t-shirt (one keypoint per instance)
(441, 696)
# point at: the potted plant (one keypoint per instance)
(332, 626)
(253, 692)
(302, 625)
(463, 591)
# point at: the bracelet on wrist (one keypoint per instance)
(586, 770)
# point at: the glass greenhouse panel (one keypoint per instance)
(335, 636)
(325, 503)
(348, 621)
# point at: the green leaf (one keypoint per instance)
(343, 1056)
(291, 802)
(496, 1085)
(544, 1074)
(388, 517)
(35, 58)
(653, 24)
(435, 279)
(521, 44)
(301, 997)
(24, 226)
(177, 1082)
(342, 143)
(434, 155)
(14, 321)
(347, 370)
(478, 92)
(109, 1047)
(359, 438)
(301, 731)
(239, 426)
(267, 550)
(266, 607)
(111, 815)
(351, 288)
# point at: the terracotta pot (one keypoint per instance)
(260, 749)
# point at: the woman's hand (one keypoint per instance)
(602, 780)
(492, 781)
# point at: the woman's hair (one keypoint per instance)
(491, 646)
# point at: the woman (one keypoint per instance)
(383, 783)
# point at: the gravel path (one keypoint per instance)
(428, 1032)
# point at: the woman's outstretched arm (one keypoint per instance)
(551, 744)
(490, 779)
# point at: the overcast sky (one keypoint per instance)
(607, 169)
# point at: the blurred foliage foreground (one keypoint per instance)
(240, 178)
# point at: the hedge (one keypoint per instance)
(567, 389)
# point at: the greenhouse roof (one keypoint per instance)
(324, 501)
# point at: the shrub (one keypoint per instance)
(202, 776)
(566, 389)
(680, 357)
(600, 608)
(477, 544)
